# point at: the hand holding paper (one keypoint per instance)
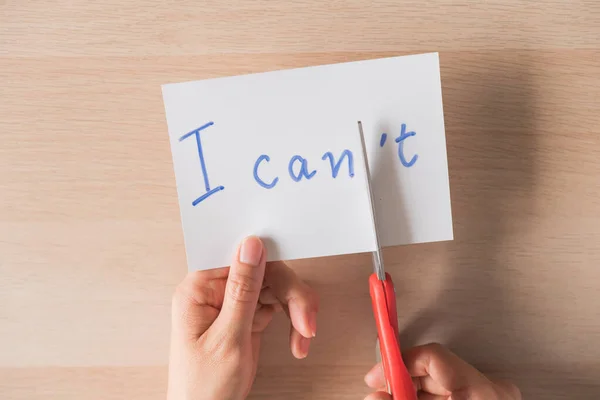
(218, 319)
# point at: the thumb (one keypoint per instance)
(243, 287)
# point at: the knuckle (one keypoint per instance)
(181, 313)
(435, 347)
(516, 391)
(433, 351)
(187, 289)
(482, 392)
(508, 390)
(181, 295)
(308, 298)
(304, 294)
(313, 297)
(243, 289)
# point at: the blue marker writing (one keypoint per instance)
(262, 183)
(209, 191)
(383, 139)
(335, 167)
(400, 140)
(303, 169)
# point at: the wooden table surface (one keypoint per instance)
(91, 244)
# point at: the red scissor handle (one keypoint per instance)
(383, 298)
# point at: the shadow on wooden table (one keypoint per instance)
(490, 141)
(490, 128)
(344, 348)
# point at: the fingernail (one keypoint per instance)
(312, 323)
(251, 251)
(304, 344)
(371, 375)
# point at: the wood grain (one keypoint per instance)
(90, 237)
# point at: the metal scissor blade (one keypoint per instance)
(377, 257)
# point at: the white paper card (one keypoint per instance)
(278, 155)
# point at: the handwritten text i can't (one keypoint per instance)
(298, 166)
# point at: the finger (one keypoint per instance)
(302, 302)
(481, 391)
(484, 390)
(243, 288)
(298, 343)
(429, 396)
(444, 367)
(379, 396)
(262, 318)
(267, 296)
(197, 301)
(375, 378)
(428, 384)
(508, 389)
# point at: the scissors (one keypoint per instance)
(383, 297)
